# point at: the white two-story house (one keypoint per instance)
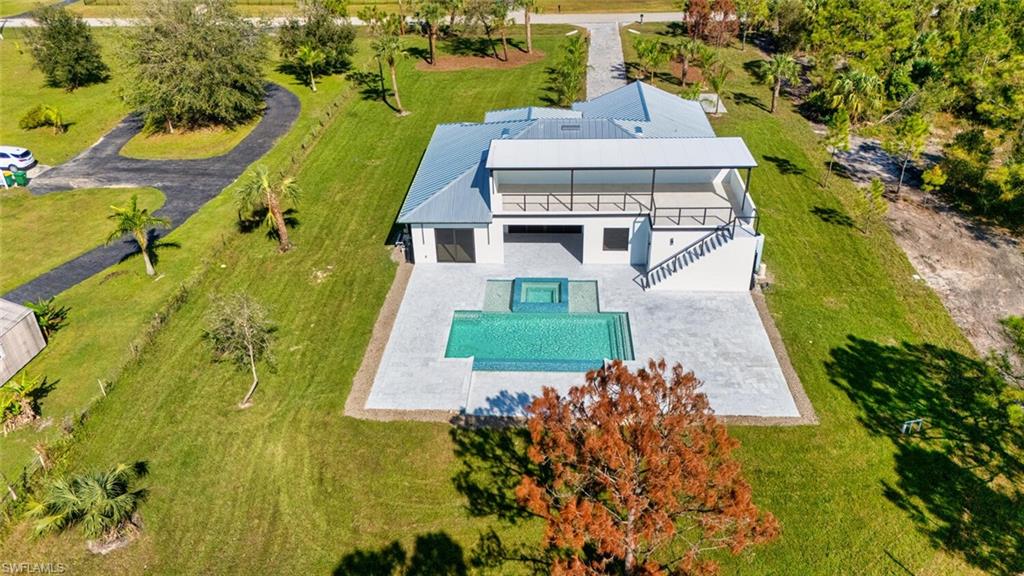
(636, 176)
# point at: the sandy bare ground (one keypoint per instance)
(977, 270)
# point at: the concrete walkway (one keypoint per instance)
(606, 63)
(186, 184)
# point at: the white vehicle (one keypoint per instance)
(13, 158)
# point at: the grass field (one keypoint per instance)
(14, 7)
(292, 486)
(204, 143)
(38, 233)
(90, 111)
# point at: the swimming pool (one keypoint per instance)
(537, 341)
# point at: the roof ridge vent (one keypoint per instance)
(505, 133)
(638, 129)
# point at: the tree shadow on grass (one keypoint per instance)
(961, 478)
(745, 99)
(433, 554)
(786, 166)
(247, 224)
(371, 86)
(470, 46)
(833, 216)
(156, 245)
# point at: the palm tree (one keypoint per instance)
(859, 92)
(528, 7)
(388, 49)
(19, 401)
(781, 67)
(432, 14)
(685, 49)
(501, 20)
(310, 60)
(650, 53)
(260, 195)
(49, 316)
(717, 80)
(706, 58)
(103, 503)
(136, 221)
(52, 117)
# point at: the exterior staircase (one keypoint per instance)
(697, 250)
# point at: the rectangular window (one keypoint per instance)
(616, 239)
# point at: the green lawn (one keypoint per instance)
(292, 486)
(305, 464)
(38, 233)
(90, 111)
(204, 143)
(14, 7)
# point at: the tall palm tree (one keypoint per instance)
(685, 49)
(260, 194)
(528, 6)
(432, 13)
(310, 59)
(136, 221)
(388, 49)
(858, 91)
(717, 80)
(103, 503)
(706, 58)
(781, 67)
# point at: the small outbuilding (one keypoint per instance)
(20, 338)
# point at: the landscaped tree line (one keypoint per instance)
(895, 66)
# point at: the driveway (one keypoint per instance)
(186, 184)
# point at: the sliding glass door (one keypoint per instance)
(455, 245)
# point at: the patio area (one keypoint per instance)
(717, 335)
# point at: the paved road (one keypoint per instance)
(186, 184)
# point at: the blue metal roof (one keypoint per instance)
(454, 150)
(659, 114)
(530, 113)
(451, 184)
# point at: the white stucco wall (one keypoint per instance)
(593, 235)
(487, 240)
(727, 268)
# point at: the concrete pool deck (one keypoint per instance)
(719, 336)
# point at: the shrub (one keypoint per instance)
(64, 49)
(42, 115)
(321, 30)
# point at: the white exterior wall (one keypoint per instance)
(487, 240)
(727, 268)
(736, 190)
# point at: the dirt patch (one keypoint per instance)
(977, 270)
(516, 58)
(693, 74)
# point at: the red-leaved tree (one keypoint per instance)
(642, 480)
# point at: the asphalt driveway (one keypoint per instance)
(186, 184)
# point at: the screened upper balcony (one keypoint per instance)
(682, 183)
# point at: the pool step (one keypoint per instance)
(621, 339)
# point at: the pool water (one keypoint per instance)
(541, 293)
(532, 341)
